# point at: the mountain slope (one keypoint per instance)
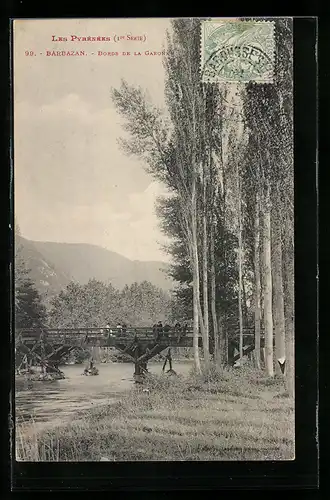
(82, 262)
(48, 279)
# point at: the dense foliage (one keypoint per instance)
(96, 304)
(225, 153)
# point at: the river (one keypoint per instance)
(54, 403)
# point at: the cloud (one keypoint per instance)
(146, 236)
(144, 202)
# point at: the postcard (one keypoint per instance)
(154, 239)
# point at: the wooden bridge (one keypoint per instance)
(48, 347)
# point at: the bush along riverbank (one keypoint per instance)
(220, 415)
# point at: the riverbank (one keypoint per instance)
(46, 402)
(228, 415)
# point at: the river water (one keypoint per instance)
(54, 403)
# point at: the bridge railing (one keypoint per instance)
(83, 335)
(93, 331)
(87, 336)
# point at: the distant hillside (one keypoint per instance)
(48, 279)
(54, 264)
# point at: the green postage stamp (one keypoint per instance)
(233, 50)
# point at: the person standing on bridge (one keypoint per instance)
(184, 330)
(167, 328)
(177, 330)
(159, 329)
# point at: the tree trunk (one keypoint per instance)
(267, 278)
(223, 319)
(206, 346)
(257, 315)
(240, 285)
(195, 268)
(278, 299)
(222, 342)
(217, 347)
(244, 306)
(289, 308)
(201, 320)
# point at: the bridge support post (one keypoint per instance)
(139, 372)
(169, 360)
(140, 367)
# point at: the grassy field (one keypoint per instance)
(221, 415)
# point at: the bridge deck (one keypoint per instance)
(109, 337)
(104, 332)
(96, 338)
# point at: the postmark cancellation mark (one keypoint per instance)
(237, 51)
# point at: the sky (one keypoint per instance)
(72, 182)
